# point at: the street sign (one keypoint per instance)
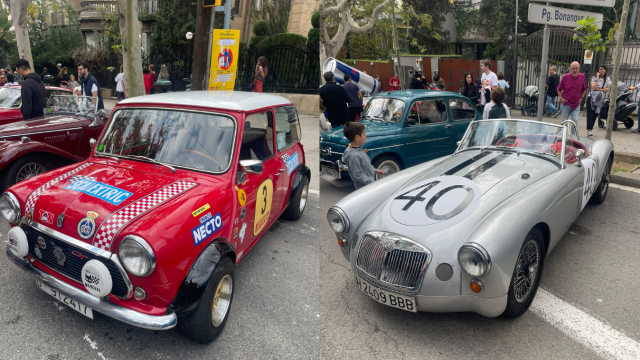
(224, 59)
(207, 3)
(588, 57)
(604, 3)
(545, 14)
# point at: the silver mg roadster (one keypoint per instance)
(470, 231)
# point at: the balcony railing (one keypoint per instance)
(57, 19)
(99, 6)
(148, 6)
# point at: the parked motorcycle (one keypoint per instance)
(187, 84)
(624, 107)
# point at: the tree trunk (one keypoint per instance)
(200, 45)
(18, 10)
(616, 68)
(131, 47)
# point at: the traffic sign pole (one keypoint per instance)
(227, 23)
(542, 96)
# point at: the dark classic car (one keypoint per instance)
(11, 101)
(61, 137)
(404, 128)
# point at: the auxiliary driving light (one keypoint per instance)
(476, 285)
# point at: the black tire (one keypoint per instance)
(21, 167)
(389, 163)
(615, 125)
(198, 325)
(523, 112)
(517, 302)
(600, 123)
(603, 187)
(629, 123)
(298, 201)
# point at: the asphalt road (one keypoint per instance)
(591, 274)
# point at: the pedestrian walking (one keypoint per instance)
(154, 77)
(552, 91)
(600, 85)
(496, 108)
(10, 80)
(470, 90)
(571, 90)
(58, 80)
(394, 82)
(72, 82)
(360, 169)
(354, 94)
(334, 99)
(438, 80)
(119, 82)
(488, 82)
(34, 95)
(504, 84)
(146, 74)
(89, 83)
(44, 73)
(63, 77)
(262, 70)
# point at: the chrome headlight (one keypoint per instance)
(338, 220)
(474, 259)
(136, 256)
(10, 207)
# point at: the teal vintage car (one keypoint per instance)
(404, 128)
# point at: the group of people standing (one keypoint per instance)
(340, 104)
(489, 95)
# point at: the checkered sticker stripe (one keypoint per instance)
(31, 200)
(285, 157)
(82, 177)
(110, 227)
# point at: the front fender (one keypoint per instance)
(14, 150)
(303, 171)
(194, 284)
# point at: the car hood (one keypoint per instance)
(448, 200)
(112, 196)
(46, 123)
(372, 129)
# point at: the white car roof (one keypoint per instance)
(230, 100)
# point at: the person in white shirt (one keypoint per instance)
(119, 87)
(488, 82)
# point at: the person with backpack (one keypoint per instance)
(496, 109)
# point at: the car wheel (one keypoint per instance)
(600, 123)
(298, 202)
(209, 318)
(24, 168)
(526, 275)
(388, 164)
(601, 192)
(629, 123)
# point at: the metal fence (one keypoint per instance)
(178, 68)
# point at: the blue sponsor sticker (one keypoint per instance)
(207, 228)
(292, 163)
(110, 194)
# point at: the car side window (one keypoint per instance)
(287, 127)
(461, 110)
(257, 137)
(428, 111)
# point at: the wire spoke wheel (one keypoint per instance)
(526, 271)
(606, 177)
(221, 300)
(29, 170)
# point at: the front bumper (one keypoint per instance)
(462, 303)
(128, 316)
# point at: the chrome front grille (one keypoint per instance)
(393, 259)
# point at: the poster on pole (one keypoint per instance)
(603, 3)
(551, 15)
(224, 59)
(588, 57)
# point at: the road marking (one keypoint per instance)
(624, 187)
(583, 328)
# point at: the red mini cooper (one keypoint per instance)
(148, 230)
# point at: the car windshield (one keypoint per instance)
(524, 135)
(10, 98)
(73, 104)
(182, 138)
(384, 109)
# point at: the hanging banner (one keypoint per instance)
(224, 59)
(545, 14)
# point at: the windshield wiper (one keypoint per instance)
(153, 161)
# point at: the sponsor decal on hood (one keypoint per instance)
(31, 200)
(105, 192)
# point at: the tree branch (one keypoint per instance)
(334, 10)
(357, 29)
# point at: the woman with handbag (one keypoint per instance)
(262, 68)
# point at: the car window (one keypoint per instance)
(461, 110)
(257, 137)
(10, 98)
(428, 111)
(287, 127)
(50, 93)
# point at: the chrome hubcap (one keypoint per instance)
(221, 301)
(389, 168)
(526, 271)
(29, 170)
(303, 197)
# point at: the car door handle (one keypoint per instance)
(281, 171)
(448, 126)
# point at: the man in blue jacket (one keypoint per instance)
(90, 85)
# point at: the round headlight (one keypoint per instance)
(136, 256)
(10, 208)
(474, 259)
(338, 220)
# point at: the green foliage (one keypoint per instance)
(289, 39)
(315, 19)
(466, 21)
(261, 28)
(7, 38)
(275, 13)
(174, 19)
(255, 40)
(111, 32)
(593, 38)
(313, 37)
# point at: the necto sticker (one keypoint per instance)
(105, 192)
(207, 228)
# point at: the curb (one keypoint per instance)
(626, 157)
(626, 180)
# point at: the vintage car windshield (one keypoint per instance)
(182, 138)
(73, 104)
(384, 109)
(10, 98)
(520, 134)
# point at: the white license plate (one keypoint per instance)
(387, 298)
(79, 307)
(332, 172)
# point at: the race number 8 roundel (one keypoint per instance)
(432, 205)
(263, 206)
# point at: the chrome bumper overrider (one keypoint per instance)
(128, 316)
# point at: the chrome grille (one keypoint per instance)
(393, 259)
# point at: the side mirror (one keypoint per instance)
(241, 176)
(100, 114)
(92, 142)
(254, 166)
(458, 143)
(579, 154)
